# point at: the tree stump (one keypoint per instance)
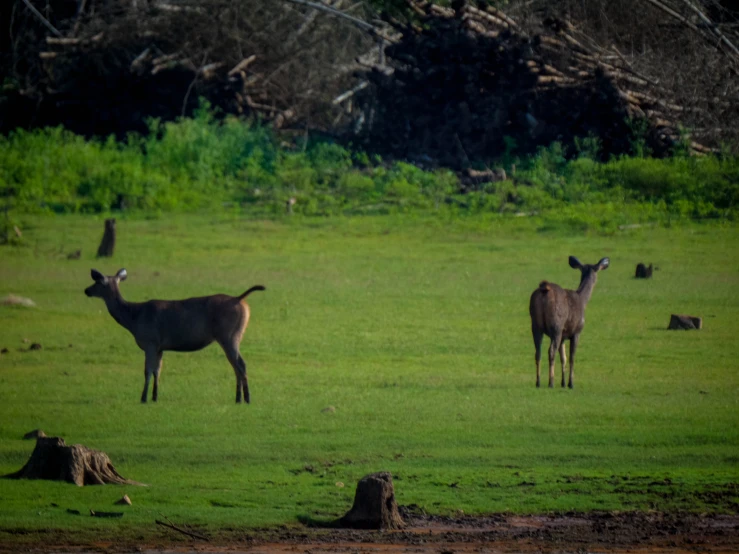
(54, 460)
(643, 272)
(107, 245)
(374, 504)
(685, 322)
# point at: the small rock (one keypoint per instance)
(125, 500)
(76, 255)
(340, 484)
(26, 340)
(73, 512)
(328, 410)
(4, 351)
(14, 300)
(35, 434)
(35, 346)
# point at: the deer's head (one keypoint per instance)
(589, 270)
(105, 286)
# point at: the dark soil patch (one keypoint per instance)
(617, 532)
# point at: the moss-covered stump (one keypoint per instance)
(374, 504)
(54, 460)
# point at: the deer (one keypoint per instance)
(560, 314)
(178, 325)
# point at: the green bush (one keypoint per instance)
(206, 163)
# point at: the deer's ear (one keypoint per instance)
(97, 276)
(121, 275)
(604, 263)
(575, 263)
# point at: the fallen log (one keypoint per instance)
(487, 17)
(499, 14)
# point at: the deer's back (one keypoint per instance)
(554, 310)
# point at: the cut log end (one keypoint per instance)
(374, 504)
(52, 459)
(686, 322)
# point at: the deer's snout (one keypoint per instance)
(88, 291)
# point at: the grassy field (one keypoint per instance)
(416, 332)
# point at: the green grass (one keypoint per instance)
(416, 331)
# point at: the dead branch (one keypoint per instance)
(349, 93)
(242, 65)
(184, 532)
(359, 23)
(712, 27)
(42, 18)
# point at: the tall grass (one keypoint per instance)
(204, 163)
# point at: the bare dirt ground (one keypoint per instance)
(628, 532)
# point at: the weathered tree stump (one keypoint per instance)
(685, 322)
(107, 244)
(54, 460)
(643, 272)
(374, 504)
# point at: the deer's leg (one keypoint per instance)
(573, 348)
(239, 365)
(151, 363)
(538, 336)
(157, 370)
(556, 340)
(563, 359)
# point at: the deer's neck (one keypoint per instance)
(587, 284)
(123, 312)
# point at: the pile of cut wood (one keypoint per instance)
(469, 83)
(454, 86)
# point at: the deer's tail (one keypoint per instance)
(545, 287)
(248, 292)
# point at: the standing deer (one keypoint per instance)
(560, 314)
(179, 325)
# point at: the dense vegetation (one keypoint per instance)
(205, 163)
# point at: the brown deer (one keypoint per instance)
(560, 314)
(179, 325)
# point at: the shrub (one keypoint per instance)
(202, 162)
